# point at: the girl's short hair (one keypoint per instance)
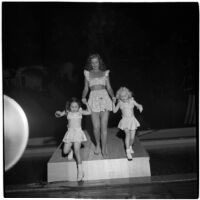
(101, 63)
(122, 89)
(72, 100)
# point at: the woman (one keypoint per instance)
(97, 80)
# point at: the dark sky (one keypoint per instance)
(151, 48)
(47, 33)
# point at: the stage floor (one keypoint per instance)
(95, 167)
(165, 163)
(115, 146)
(162, 187)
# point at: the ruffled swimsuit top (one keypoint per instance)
(127, 108)
(74, 119)
(98, 80)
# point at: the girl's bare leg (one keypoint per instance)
(77, 147)
(80, 173)
(127, 143)
(132, 137)
(67, 148)
(96, 130)
(127, 138)
(104, 124)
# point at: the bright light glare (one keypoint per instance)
(16, 132)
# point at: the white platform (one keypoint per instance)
(97, 168)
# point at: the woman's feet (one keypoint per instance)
(80, 174)
(105, 153)
(97, 150)
(128, 154)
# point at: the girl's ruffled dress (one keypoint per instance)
(74, 132)
(128, 120)
(99, 100)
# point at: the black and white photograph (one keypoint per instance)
(100, 99)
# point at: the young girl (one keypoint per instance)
(98, 82)
(74, 135)
(128, 123)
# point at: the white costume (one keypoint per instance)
(74, 132)
(99, 100)
(128, 120)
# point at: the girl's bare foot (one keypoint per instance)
(128, 154)
(131, 150)
(80, 174)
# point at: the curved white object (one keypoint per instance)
(16, 132)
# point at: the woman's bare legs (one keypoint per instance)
(96, 130)
(104, 124)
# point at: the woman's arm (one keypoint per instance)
(115, 108)
(109, 88)
(60, 113)
(85, 90)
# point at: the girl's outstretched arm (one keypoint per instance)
(88, 111)
(60, 113)
(115, 108)
(139, 106)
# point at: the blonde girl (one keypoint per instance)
(128, 123)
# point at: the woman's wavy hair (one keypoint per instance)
(121, 89)
(101, 63)
(72, 100)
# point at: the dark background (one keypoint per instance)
(151, 48)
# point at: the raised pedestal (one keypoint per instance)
(97, 168)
